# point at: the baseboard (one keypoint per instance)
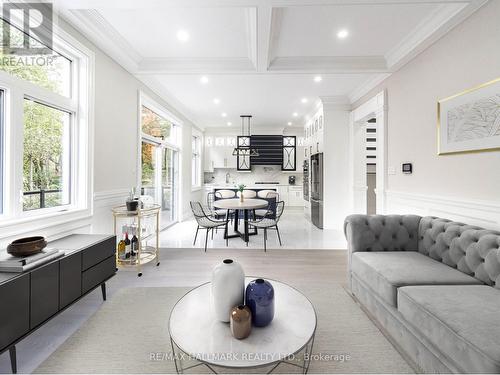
(485, 214)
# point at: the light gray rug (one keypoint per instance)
(120, 337)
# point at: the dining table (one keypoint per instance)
(245, 206)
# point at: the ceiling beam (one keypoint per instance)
(264, 29)
(163, 4)
(329, 64)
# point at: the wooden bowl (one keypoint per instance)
(26, 246)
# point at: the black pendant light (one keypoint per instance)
(243, 146)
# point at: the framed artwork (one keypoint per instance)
(470, 121)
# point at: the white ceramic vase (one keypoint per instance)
(228, 288)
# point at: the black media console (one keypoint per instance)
(30, 299)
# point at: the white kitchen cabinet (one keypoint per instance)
(219, 157)
(295, 196)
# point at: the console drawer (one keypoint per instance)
(15, 310)
(70, 279)
(98, 252)
(44, 293)
(98, 274)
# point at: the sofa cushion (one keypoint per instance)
(386, 271)
(382, 232)
(462, 321)
(470, 249)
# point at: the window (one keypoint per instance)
(157, 126)
(46, 156)
(159, 159)
(52, 72)
(44, 133)
(195, 162)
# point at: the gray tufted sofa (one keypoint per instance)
(432, 285)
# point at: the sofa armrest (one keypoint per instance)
(382, 232)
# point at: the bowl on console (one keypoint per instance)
(26, 246)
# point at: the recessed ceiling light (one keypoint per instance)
(295, 114)
(318, 79)
(182, 35)
(229, 123)
(342, 34)
(216, 100)
(304, 100)
(223, 114)
(204, 80)
(289, 123)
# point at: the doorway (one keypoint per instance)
(160, 162)
(368, 156)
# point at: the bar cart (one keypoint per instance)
(145, 222)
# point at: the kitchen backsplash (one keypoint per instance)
(258, 174)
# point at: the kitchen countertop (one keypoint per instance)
(253, 186)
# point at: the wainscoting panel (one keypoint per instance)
(102, 220)
(481, 213)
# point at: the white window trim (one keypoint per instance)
(51, 222)
(196, 133)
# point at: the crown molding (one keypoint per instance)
(367, 86)
(339, 102)
(441, 21)
(92, 24)
(329, 64)
(156, 87)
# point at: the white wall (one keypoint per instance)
(335, 166)
(462, 187)
(116, 138)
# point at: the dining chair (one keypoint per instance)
(225, 193)
(269, 221)
(204, 221)
(217, 213)
(247, 194)
(271, 197)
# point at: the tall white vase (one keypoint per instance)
(228, 288)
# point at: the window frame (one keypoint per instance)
(79, 105)
(196, 160)
(174, 142)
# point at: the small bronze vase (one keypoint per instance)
(241, 322)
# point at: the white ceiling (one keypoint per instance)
(260, 56)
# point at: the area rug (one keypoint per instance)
(128, 332)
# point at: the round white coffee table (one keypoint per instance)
(248, 204)
(198, 337)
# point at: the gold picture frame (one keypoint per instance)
(459, 104)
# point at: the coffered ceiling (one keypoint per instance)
(261, 56)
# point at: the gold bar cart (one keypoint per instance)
(145, 253)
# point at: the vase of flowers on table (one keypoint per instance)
(241, 187)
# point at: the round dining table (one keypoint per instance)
(248, 204)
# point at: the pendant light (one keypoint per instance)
(243, 146)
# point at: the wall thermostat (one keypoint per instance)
(407, 168)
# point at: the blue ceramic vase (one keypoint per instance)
(259, 297)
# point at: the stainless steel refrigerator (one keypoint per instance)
(317, 190)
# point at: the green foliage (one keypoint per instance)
(43, 125)
(241, 187)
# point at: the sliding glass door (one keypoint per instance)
(160, 164)
(169, 183)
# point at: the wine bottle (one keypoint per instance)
(121, 249)
(127, 246)
(134, 245)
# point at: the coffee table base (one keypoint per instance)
(303, 357)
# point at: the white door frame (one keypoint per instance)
(376, 107)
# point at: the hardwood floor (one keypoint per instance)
(183, 267)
